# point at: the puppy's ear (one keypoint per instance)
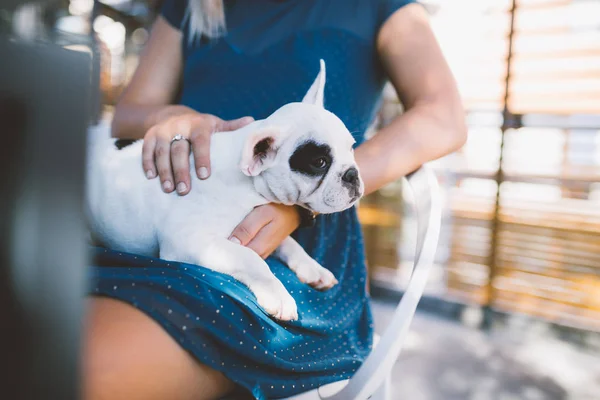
(260, 150)
(317, 90)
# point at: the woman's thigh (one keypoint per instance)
(127, 355)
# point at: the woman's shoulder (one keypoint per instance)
(387, 7)
(363, 17)
(367, 15)
(373, 11)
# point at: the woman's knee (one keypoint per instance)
(129, 356)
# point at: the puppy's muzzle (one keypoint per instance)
(351, 176)
(351, 180)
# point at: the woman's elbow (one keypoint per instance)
(458, 131)
(447, 130)
(453, 125)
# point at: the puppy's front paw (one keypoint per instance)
(277, 302)
(312, 273)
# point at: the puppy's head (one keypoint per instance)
(303, 154)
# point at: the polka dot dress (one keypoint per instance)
(217, 319)
(211, 315)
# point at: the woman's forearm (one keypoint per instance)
(434, 122)
(132, 121)
(421, 134)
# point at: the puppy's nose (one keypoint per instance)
(351, 175)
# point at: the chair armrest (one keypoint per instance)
(378, 365)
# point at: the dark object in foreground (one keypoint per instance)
(44, 108)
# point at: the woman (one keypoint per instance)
(161, 330)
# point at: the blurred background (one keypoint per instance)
(513, 308)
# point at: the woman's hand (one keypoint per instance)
(172, 159)
(266, 227)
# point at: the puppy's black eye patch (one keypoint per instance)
(311, 158)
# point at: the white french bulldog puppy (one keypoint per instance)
(301, 154)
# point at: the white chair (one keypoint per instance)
(372, 379)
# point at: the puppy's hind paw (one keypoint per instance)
(277, 302)
(312, 273)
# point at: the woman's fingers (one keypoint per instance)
(162, 157)
(282, 221)
(180, 161)
(148, 149)
(233, 124)
(170, 160)
(200, 139)
(245, 232)
(263, 242)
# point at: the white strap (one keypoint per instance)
(378, 365)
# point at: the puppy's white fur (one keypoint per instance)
(250, 167)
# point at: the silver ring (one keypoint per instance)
(177, 138)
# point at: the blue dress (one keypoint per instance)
(269, 57)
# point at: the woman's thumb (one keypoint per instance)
(234, 124)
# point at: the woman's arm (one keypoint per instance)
(148, 98)
(432, 126)
(145, 110)
(433, 123)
